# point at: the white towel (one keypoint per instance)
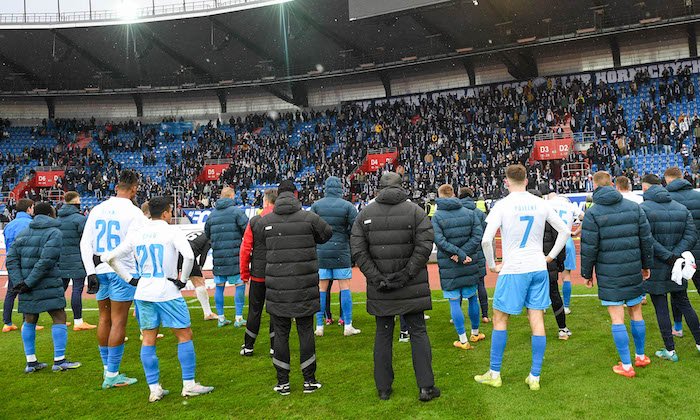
(689, 267)
(677, 272)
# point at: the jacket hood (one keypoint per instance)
(44, 222)
(679, 184)
(223, 203)
(287, 204)
(468, 203)
(451, 203)
(333, 187)
(658, 194)
(392, 195)
(606, 196)
(67, 210)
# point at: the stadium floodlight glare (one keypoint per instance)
(127, 11)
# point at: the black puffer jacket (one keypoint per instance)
(391, 242)
(291, 274)
(550, 237)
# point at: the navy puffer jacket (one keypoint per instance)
(469, 204)
(674, 233)
(683, 192)
(33, 259)
(72, 225)
(225, 228)
(616, 241)
(458, 231)
(340, 214)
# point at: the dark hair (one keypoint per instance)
(465, 192)
(44, 208)
(127, 179)
(651, 179)
(23, 204)
(159, 205)
(286, 186)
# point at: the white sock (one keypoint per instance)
(626, 367)
(463, 338)
(639, 356)
(203, 298)
(697, 346)
(475, 331)
(222, 318)
(495, 374)
(319, 327)
(672, 352)
(78, 321)
(239, 317)
(59, 359)
(154, 387)
(105, 368)
(111, 374)
(534, 378)
(31, 358)
(188, 383)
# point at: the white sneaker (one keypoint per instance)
(567, 311)
(158, 394)
(426, 317)
(350, 330)
(319, 331)
(564, 334)
(196, 389)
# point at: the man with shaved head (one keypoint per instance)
(224, 228)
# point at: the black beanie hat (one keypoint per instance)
(286, 186)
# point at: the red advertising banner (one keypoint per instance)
(375, 161)
(44, 179)
(552, 149)
(212, 172)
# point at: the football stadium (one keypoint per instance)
(349, 209)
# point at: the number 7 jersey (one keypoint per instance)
(521, 217)
(106, 227)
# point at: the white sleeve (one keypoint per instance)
(578, 213)
(114, 257)
(493, 222)
(561, 228)
(86, 245)
(183, 246)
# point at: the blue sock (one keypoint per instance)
(639, 334)
(678, 326)
(114, 358)
(149, 359)
(239, 299)
(104, 351)
(539, 344)
(321, 313)
(566, 292)
(457, 315)
(59, 335)
(29, 338)
(473, 311)
(185, 353)
(346, 305)
(622, 342)
(499, 338)
(219, 299)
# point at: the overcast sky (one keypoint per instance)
(51, 6)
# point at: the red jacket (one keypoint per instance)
(247, 250)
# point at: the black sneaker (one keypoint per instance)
(385, 395)
(245, 351)
(404, 337)
(427, 394)
(282, 389)
(310, 387)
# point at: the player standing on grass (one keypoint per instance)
(523, 280)
(570, 213)
(617, 242)
(458, 234)
(156, 247)
(25, 210)
(224, 228)
(106, 227)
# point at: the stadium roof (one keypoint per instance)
(303, 39)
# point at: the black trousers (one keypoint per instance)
(677, 315)
(307, 347)
(483, 298)
(9, 304)
(679, 300)
(256, 303)
(76, 297)
(555, 297)
(420, 350)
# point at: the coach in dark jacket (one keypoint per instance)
(71, 263)
(391, 242)
(466, 196)
(682, 191)
(291, 278)
(674, 233)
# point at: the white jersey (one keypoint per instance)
(521, 217)
(567, 211)
(155, 247)
(629, 195)
(106, 227)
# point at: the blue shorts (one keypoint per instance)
(169, 314)
(629, 302)
(114, 288)
(464, 293)
(230, 279)
(517, 291)
(335, 273)
(570, 261)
